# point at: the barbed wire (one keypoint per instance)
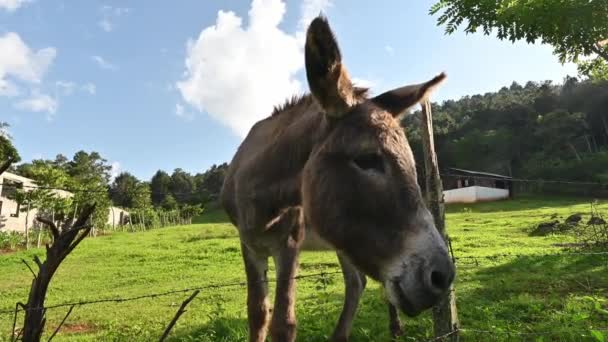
(303, 276)
(165, 293)
(513, 333)
(523, 180)
(449, 175)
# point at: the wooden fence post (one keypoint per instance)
(445, 315)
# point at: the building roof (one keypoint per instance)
(479, 173)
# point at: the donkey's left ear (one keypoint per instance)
(397, 101)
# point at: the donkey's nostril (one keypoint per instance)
(439, 280)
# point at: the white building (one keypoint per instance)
(15, 218)
(466, 186)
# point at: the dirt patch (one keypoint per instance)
(570, 245)
(551, 227)
(596, 220)
(574, 219)
(76, 328)
(5, 251)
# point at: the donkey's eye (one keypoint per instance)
(370, 161)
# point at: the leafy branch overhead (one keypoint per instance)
(575, 28)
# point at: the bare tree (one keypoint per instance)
(64, 242)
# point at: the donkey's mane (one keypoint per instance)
(305, 99)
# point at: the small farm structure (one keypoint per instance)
(13, 217)
(466, 186)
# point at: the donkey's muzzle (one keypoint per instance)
(417, 290)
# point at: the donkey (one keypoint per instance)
(333, 170)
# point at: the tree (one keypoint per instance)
(90, 175)
(159, 186)
(169, 203)
(141, 196)
(560, 128)
(7, 150)
(53, 204)
(209, 184)
(575, 28)
(182, 186)
(123, 190)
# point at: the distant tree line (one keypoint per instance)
(165, 199)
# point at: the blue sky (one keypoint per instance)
(162, 85)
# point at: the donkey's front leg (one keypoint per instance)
(394, 322)
(354, 284)
(283, 324)
(256, 268)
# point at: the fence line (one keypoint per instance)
(87, 191)
(511, 333)
(524, 180)
(450, 175)
(165, 293)
(303, 276)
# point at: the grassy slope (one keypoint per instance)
(523, 294)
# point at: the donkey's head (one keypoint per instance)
(360, 190)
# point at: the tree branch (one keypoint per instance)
(178, 314)
(61, 324)
(5, 165)
(51, 225)
(599, 49)
(28, 266)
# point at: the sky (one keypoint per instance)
(165, 85)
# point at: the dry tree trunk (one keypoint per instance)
(64, 242)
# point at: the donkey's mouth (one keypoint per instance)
(403, 303)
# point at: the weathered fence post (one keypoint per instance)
(445, 316)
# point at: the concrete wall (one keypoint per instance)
(115, 214)
(12, 219)
(474, 194)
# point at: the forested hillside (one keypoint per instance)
(538, 130)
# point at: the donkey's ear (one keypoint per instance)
(327, 77)
(397, 101)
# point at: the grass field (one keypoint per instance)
(567, 297)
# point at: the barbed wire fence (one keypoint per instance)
(467, 261)
(461, 261)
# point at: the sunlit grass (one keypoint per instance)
(565, 295)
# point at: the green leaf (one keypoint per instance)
(598, 336)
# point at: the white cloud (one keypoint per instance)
(8, 89)
(110, 14)
(89, 88)
(105, 25)
(361, 82)
(115, 170)
(389, 49)
(308, 11)
(182, 113)
(102, 63)
(38, 102)
(18, 62)
(12, 5)
(179, 110)
(238, 73)
(65, 87)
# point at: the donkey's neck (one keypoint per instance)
(296, 131)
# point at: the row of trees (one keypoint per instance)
(165, 199)
(168, 191)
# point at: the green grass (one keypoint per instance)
(567, 296)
